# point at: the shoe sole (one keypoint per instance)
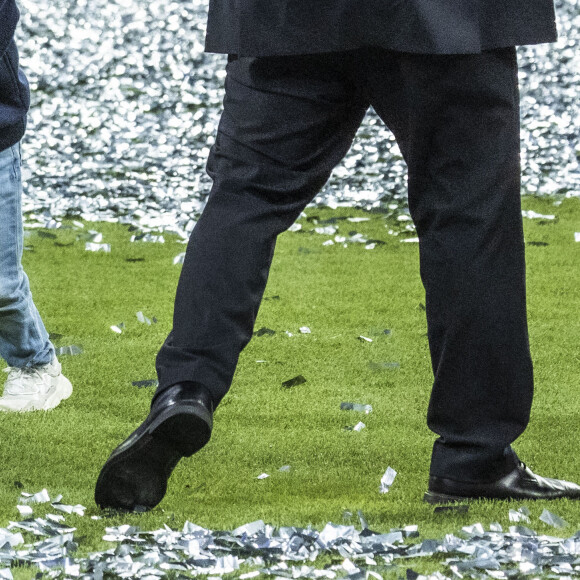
(136, 477)
(62, 392)
(441, 498)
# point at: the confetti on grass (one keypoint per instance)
(358, 427)
(383, 366)
(92, 247)
(265, 332)
(179, 259)
(146, 383)
(356, 407)
(533, 215)
(298, 380)
(520, 515)
(387, 480)
(72, 349)
(553, 520)
(283, 552)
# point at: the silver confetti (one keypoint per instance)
(24, 510)
(91, 247)
(356, 407)
(72, 349)
(148, 238)
(383, 366)
(39, 497)
(179, 259)
(289, 551)
(520, 515)
(552, 519)
(146, 383)
(70, 509)
(142, 318)
(387, 480)
(533, 215)
(297, 380)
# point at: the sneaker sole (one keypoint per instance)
(62, 392)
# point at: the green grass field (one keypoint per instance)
(339, 293)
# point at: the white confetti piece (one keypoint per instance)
(39, 497)
(552, 519)
(387, 480)
(179, 259)
(327, 231)
(142, 318)
(533, 215)
(25, 510)
(92, 247)
(520, 515)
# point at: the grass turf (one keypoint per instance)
(340, 293)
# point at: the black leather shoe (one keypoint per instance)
(135, 475)
(521, 483)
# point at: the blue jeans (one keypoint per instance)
(24, 341)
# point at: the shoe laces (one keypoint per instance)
(24, 381)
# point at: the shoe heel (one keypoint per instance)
(185, 432)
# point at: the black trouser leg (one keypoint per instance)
(457, 121)
(286, 123)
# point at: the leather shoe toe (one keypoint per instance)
(520, 484)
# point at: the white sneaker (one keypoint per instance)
(35, 388)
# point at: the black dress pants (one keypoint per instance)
(286, 123)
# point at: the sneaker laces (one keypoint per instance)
(22, 381)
